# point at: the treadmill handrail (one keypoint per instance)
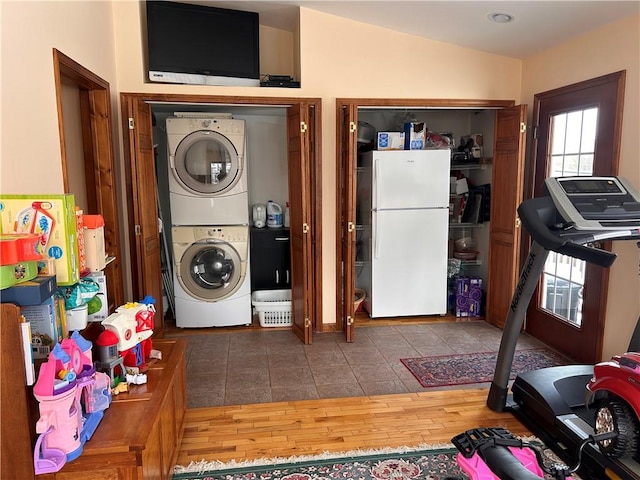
(539, 215)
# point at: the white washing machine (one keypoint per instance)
(211, 276)
(207, 169)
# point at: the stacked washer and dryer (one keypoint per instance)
(210, 219)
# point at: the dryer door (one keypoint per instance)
(207, 163)
(211, 270)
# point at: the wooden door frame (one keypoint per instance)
(97, 142)
(597, 277)
(315, 159)
(345, 309)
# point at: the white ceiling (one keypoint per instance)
(538, 25)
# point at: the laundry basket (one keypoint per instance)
(273, 307)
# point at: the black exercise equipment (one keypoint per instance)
(573, 213)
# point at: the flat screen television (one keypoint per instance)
(202, 45)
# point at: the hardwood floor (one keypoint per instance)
(308, 427)
(243, 432)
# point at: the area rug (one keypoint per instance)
(476, 367)
(435, 462)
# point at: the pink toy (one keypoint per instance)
(65, 424)
(476, 469)
(95, 387)
(85, 345)
(494, 453)
(47, 460)
(78, 360)
(60, 419)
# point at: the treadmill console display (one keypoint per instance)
(596, 203)
(591, 186)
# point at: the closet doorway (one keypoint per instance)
(304, 183)
(508, 161)
(86, 148)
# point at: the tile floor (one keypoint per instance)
(258, 366)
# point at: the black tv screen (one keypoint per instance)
(198, 44)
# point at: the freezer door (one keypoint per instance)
(409, 263)
(411, 179)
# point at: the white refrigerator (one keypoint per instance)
(403, 206)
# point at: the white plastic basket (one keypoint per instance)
(273, 307)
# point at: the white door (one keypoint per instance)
(411, 179)
(409, 264)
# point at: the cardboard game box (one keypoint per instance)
(48, 325)
(52, 217)
(468, 296)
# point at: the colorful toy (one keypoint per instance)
(137, 378)
(72, 398)
(60, 421)
(109, 361)
(132, 324)
(120, 388)
(495, 454)
(615, 391)
(96, 393)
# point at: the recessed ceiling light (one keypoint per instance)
(501, 17)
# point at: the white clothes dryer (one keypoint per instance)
(207, 169)
(212, 276)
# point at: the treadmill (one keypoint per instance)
(572, 213)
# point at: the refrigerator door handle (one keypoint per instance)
(376, 235)
(376, 184)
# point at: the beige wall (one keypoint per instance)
(30, 147)
(610, 49)
(338, 58)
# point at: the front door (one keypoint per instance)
(578, 133)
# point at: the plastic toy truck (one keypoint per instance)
(614, 391)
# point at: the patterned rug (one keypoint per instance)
(423, 463)
(476, 367)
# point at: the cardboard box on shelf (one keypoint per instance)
(48, 325)
(82, 256)
(32, 292)
(53, 218)
(94, 242)
(390, 141)
(414, 135)
(11, 275)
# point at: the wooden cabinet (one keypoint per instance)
(139, 436)
(270, 259)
